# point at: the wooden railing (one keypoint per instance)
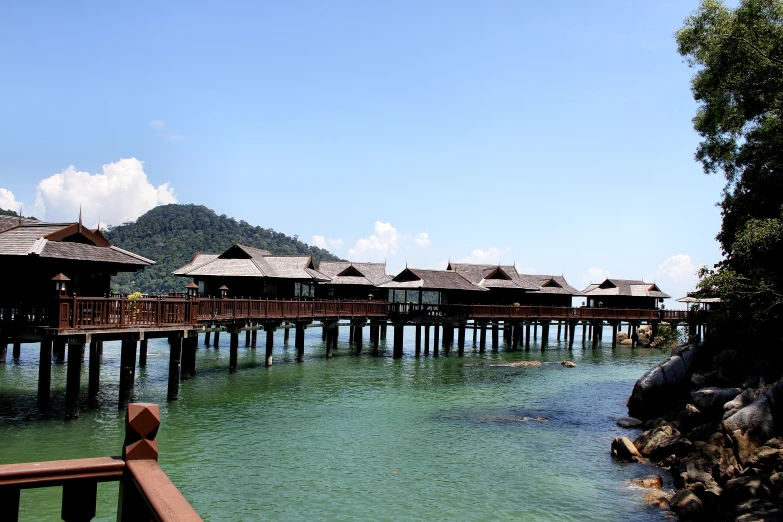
(146, 493)
(68, 313)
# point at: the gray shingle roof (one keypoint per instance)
(552, 284)
(372, 274)
(431, 280)
(243, 261)
(625, 287)
(478, 274)
(28, 239)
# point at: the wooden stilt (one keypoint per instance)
(383, 331)
(461, 339)
(233, 347)
(270, 338)
(59, 350)
(358, 340)
(299, 342)
(495, 343)
(448, 338)
(326, 335)
(192, 344)
(629, 329)
(206, 338)
(247, 337)
(483, 337)
(590, 332)
(73, 384)
(287, 334)
(475, 333)
(142, 353)
(559, 326)
(175, 359)
(584, 330)
(535, 331)
(399, 330)
(350, 333)
(3, 352)
(216, 342)
(426, 340)
(94, 375)
(45, 374)
(633, 337)
(596, 337)
(17, 350)
(376, 340)
(127, 361)
(418, 340)
(544, 335)
(435, 343)
(515, 335)
(614, 337)
(567, 330)
(571, 334)
(254, 338)
(527, 337)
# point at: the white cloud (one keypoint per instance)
(160, 125)
(334, 244)
(594, 275)
(422, 239)
(525, 269)
(120, 193)
(677, 275)
(492, 256)
(385, 241)
(319, 241)
(8, 201)
(322, 242)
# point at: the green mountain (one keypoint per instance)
(171, 235)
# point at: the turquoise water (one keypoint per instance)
(358, 437)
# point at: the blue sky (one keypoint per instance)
(554, 135)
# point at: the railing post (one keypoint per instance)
(141, 429)
(73, 316)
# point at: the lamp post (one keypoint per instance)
(223, 291)
(192, 290)
(61, 284)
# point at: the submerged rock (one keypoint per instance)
(568, 364)
(629, 422)
(653, 481)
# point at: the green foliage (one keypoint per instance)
(738, 55)
(7, 212)
(667, 338)
(171, 235)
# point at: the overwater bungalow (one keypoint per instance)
(552, 290)
(424, 286)
(47, 259)
(350, 280)
(503, 283)
(624, 293)
(243, 271)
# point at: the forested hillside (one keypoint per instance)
(171, 235)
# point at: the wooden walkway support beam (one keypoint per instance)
(495, 328)
(233, 347)
(143, 353)
(399, 331)
(461, 339)
(175, 359)
(426, 340)
(17, 351)
(358, 331)
(94, 379)
(73, 384)
(418, 340)
(435, 343)
(127, 362)
(299, 341)
(483, 337)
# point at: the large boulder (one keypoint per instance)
(753, 425)
(644, 335)
(621, 336)
(624, 449)
(740, 401)
(713, 399)
(653, 392)
(744, 488)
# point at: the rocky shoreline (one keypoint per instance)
(709, 417)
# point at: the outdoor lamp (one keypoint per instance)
(223, 291)
(192, 289)
(60, 283)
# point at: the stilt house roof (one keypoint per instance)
(71, 241)
(625, 287)
(552, 284)
(349, 273)
(244, 261)
(493, 276)
(419, 278)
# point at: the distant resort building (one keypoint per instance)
(425, 286)
(624, 293)
(350, 280)
(45, 259)
(506, 286)
(243, 271)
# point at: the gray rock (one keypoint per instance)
(713, 398)
(629, 422)
(686, 504)
(674, 373)
(660, 442)
(751, 426)
(699, 380)
(766, 458)
(624, 449)
(757, 510)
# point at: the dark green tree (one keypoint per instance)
(738, 57)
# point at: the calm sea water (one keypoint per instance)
(358, 437)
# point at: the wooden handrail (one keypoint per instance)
(146, 493)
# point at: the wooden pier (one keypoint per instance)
(72, 324)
